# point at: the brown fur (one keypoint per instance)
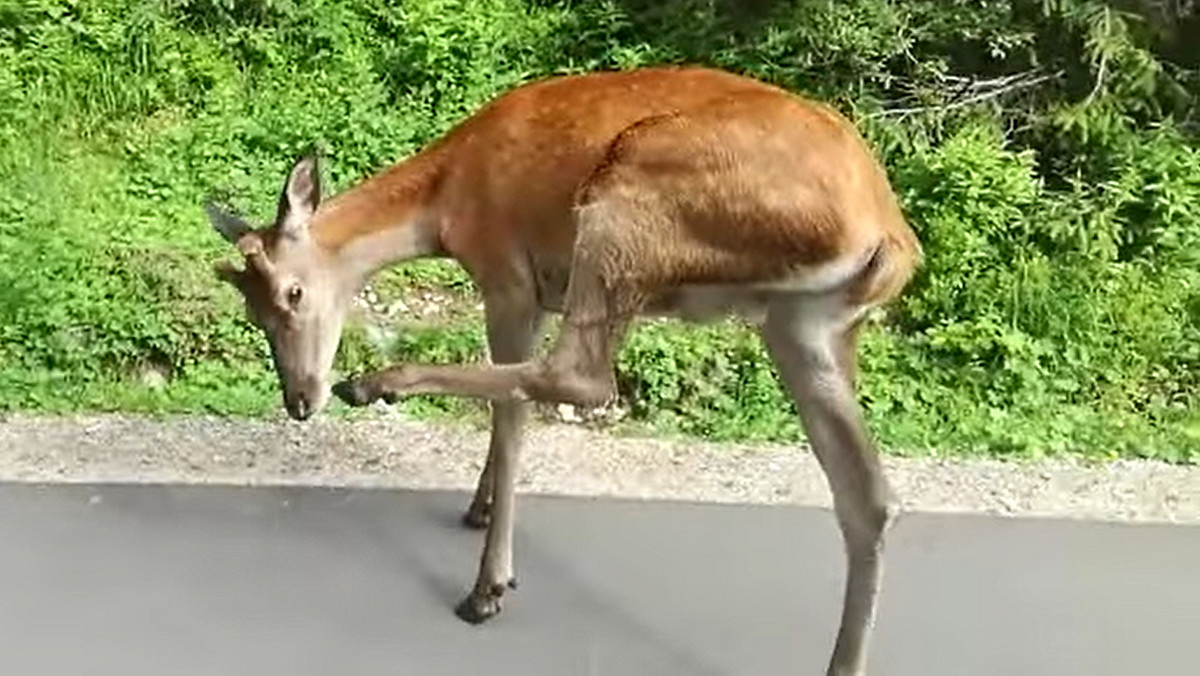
(758, 180)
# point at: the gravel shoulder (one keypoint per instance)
(385, 450)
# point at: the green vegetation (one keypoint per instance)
(1045, 150)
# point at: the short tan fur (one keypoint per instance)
(681, 191)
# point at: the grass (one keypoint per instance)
(1058, 310)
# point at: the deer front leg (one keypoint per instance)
(513, 327)
(512, 330)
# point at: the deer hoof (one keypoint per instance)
(477, 518)
(362, 393)
(353, 392)
(479, 607)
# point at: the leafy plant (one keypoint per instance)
(1046, 153)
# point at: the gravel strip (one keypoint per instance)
(385, 450)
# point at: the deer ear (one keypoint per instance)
(229, 226)
(300, 197)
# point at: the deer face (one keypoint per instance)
(290, 289)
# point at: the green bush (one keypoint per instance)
(1044, 151)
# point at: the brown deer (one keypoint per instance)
(687, 192)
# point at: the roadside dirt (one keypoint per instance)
(385, 450)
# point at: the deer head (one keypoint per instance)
(291, 289)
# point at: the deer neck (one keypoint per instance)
(384, 220)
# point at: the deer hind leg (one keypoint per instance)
(513, 327)
(812, 345)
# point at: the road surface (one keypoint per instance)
(188, 581)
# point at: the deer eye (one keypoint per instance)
(294, 295)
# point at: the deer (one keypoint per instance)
(684, 192)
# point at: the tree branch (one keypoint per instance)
(992, 89)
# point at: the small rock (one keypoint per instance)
(567, 413)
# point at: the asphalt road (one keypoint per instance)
(183, 581)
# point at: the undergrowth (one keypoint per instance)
(1045, 152)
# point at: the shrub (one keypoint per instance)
(1045, 152)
